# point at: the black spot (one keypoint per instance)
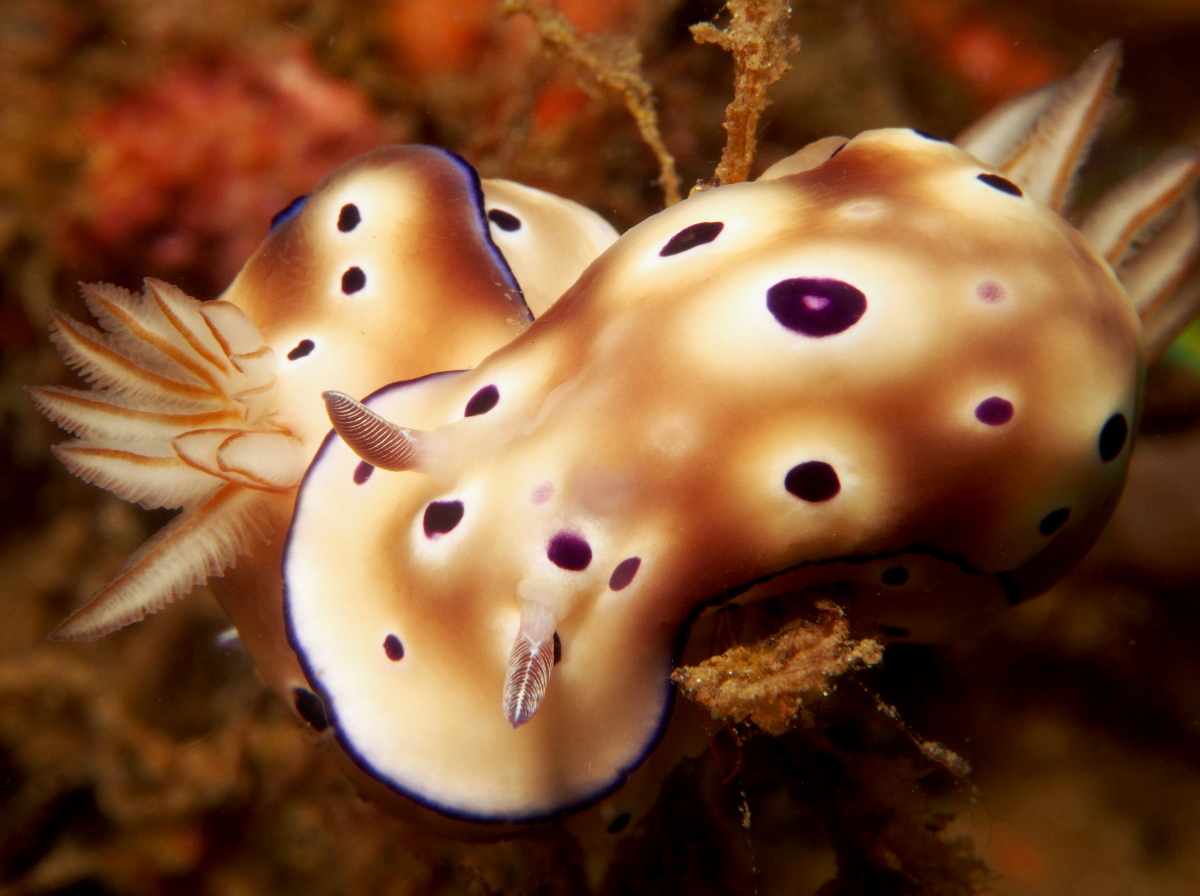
(816, 306)
(393, 648)
(692, 236)
(310, 708)
(362, 472)
(303, 347)
(1113, 436)
(482, 401)
(504, 220)
(1053, 521)
(557, 649)
(288, 212)
(839, 149)
(1003, 184)
(348, 217)
(569, 551)
(624, 573)
(928, 136)
(353, 280)
(620, 823)
(994, 411)
(897, 575)
(441, 517)
(894, 631)
(813, 480)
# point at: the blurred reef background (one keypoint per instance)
(157, 137)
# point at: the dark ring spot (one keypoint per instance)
(348, 217)
(994, 411)
(813, 480)
(303, 347)
(569, 551)
(288, 212)
(815, 306)
(624, 573)
(353, 280)
(310, 708)
(482, 401)
(1113, 436)
(620, 823)
(393, 648)
(1003, 184)
(1053, 521)
(692, 236)
(363, 472)
(897, 575)
(504, 220)
(894, 631)
(557, 649)
(441, 517)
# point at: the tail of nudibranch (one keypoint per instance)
(1147, 228)
(179, 416)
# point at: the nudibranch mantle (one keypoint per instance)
(885, 365)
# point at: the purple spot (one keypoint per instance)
(542, 492)
(816, 307)
(441, 517)
(303, 347)
(990, 291)
(1113, 436)
(353, 280)
(569, 551)
(504, 220)
(348, 217)
(393, 648)
(624, 573)
(620, 823)
(1053, 521)
(362, 472)
(1003, 184)
(310, 708)
(812, 481)
(994, 411)
(482, 401)
(692, 236)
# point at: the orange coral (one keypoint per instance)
(184, 176)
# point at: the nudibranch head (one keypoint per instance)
(882, 364)
(389, 260)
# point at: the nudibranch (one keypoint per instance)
(885, 363)
(389, 269)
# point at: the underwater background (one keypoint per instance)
(158, 137)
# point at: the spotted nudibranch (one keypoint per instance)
(884, 363)
(888, 363)
(399, 263)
